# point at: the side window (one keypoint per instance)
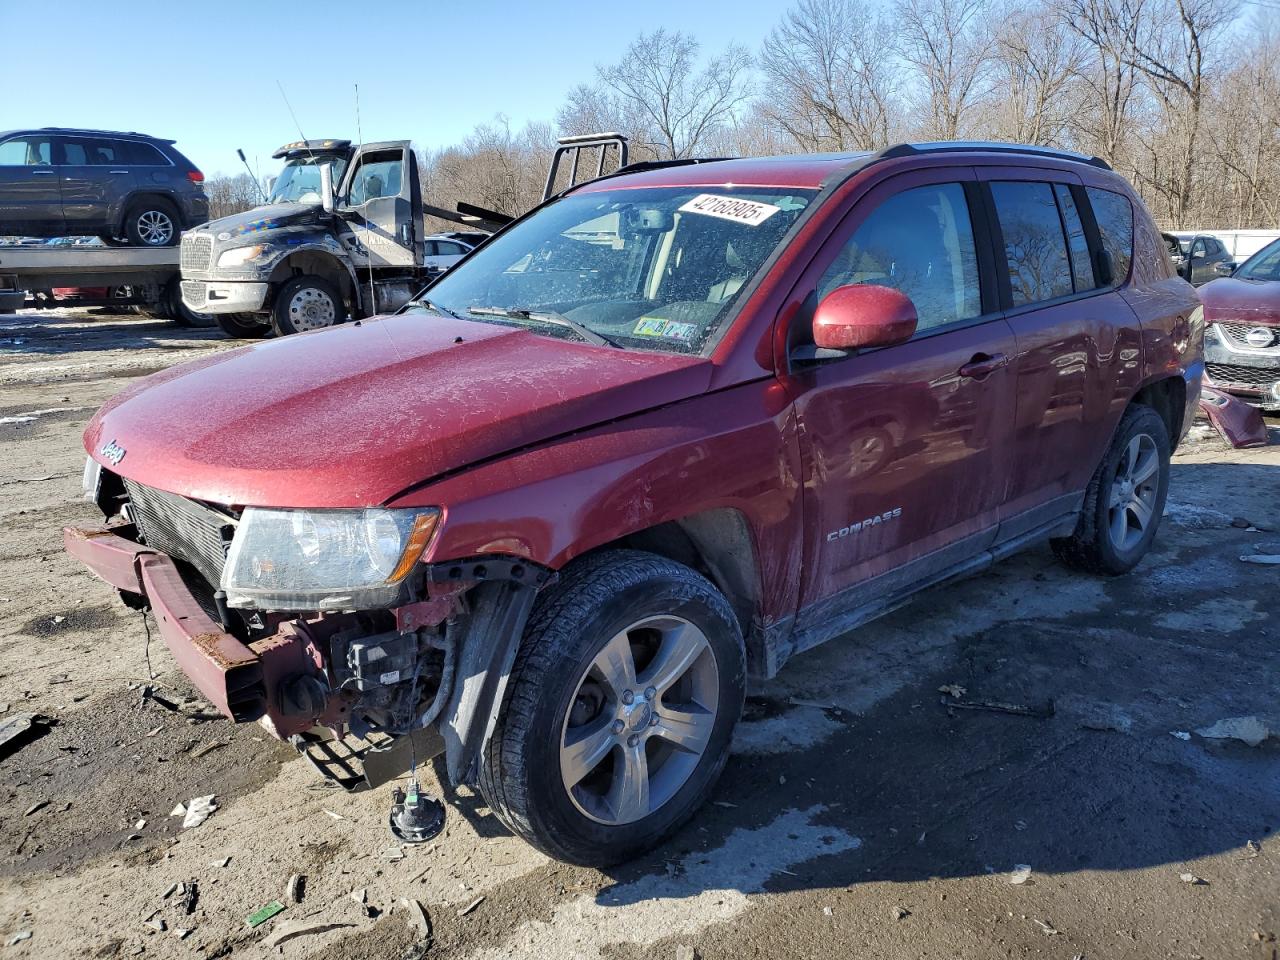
(1197, 248)
(1077, 243)
(140, 154)
(1034, 245)
(919, 242)
(448, 248)
(88, 151)
(429, 248)
(25, 152)
(1115, 223)
(378, 176)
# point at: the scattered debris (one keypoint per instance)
(153, 731)
(1042, 712)
(901, 913)
(207, 748)
(471, 906)
(686, 952)
(1192, 879)
(179, 811)
(1106, 716)
(1020, 825)
(295, 889)
(18, 730)
(359, 896)
(173, 888)
(140, 824)
(394, 854)
(302, 928)
(181, 932)
(220, 863)
(18, 938)
(336, 816)
(953, 690)
(1049, 929)
(1180, 734)
(157, 924)
(827, 912)
(38, 805)
(197, 811)
(59, 619)
(1021, 874)
(420, 917)
(264, 913)
(1250, 730)
(191, 897)
(1253, 849)
(724, 803)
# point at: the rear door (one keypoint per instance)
(30, 197)
(1078, 345)
(95, 180)
(906, 446)
(380, 204)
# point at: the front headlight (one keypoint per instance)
(239, 256)
(324, 559)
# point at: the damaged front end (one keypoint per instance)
(360, 675)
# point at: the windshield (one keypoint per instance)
(653, 269)
(1263, 265)
(299, 181)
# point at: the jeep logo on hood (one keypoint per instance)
(112, 451)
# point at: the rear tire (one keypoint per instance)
(1125, 499)
(242, 326)
(307, 303)
(570, 749)
(152, 223)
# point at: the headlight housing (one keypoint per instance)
(324, 559)
(239, 256)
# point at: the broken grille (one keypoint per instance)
(1259, 377)
(182, 528)
(195, 251)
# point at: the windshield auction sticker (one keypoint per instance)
(751, 212)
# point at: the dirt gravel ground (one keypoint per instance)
(861, 816)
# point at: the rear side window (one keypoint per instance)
(141, 154)
(919, 242)
(88, 151)
(1115, 224)
(1077, 243)
(1034, 244)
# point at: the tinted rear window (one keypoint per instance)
(89, 151)
(1039, 268)
(142, 154)
(1115, 224)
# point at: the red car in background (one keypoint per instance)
(1242, 329)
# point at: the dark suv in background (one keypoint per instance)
(126, 188)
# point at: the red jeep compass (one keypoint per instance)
(661, 434)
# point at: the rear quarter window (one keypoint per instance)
(141, 154)
(1114, 215)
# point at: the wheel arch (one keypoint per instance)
(718, 544)
(1168, 397)
(313, 261)
(144, 196)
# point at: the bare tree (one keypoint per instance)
(681, 106)
(231, 194)
(950, 45)
(1037, 67)
(830, 76)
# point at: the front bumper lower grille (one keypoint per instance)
(184, 529)
(1230, 373)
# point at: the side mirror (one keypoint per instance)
(1224, 268)
(863, 315)
(326, 188)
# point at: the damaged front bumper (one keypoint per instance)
(385, 677)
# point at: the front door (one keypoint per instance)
(380, 204)
(95, 181)
(30, 199)
(906, 447)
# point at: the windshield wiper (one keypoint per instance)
(547, 316)
(432, 305)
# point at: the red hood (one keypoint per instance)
(354, 415)
(1245, 301)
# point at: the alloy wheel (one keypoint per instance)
(1131, 506)
(640, 720)
(155, 228)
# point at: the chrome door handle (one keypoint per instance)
(117, 171)
(42, 173)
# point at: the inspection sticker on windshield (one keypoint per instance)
(751, 212)
(658, 327)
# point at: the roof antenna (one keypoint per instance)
(368, 253)
(257, 181)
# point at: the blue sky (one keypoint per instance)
(205, 74)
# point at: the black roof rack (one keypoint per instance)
(992, 146)
(114, 133)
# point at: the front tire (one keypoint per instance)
(619, 711)
(1125, 499)
(152, 223)
(306, 303)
